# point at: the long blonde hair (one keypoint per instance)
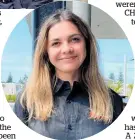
(38, 94)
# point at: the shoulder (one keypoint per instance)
(116, 98)
(117, 103)
(19, 110)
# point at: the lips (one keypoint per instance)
(68, 58)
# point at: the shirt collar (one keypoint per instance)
(57, 84)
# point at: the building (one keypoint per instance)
(12, 88)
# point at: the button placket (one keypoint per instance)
(70, 127)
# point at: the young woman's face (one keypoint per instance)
(66, 47)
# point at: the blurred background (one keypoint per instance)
(116, 60)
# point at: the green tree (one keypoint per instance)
(117, 87)
(11, 97)
(130, 86)
(120, 77)
(20, 81)
(10, 78)
(23, 80)
(129, 89)
(111, 76)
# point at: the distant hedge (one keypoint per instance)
(11, 97)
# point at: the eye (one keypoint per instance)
(55, 44)
(75, 39)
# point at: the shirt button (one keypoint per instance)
(68, 101)
(69, 127)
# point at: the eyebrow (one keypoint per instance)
(70, 36)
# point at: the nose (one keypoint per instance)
(66, 48)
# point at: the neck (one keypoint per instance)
(71, 77)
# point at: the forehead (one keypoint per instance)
(62, 29)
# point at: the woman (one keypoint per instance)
(66, 97)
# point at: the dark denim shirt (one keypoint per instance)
(17, 4)
(71, 118)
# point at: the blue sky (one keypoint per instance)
(17, 55)
(112, 53)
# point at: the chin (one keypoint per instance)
(67, 70)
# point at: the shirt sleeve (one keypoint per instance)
(20, 112)
(6, 5)
(37, 3)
